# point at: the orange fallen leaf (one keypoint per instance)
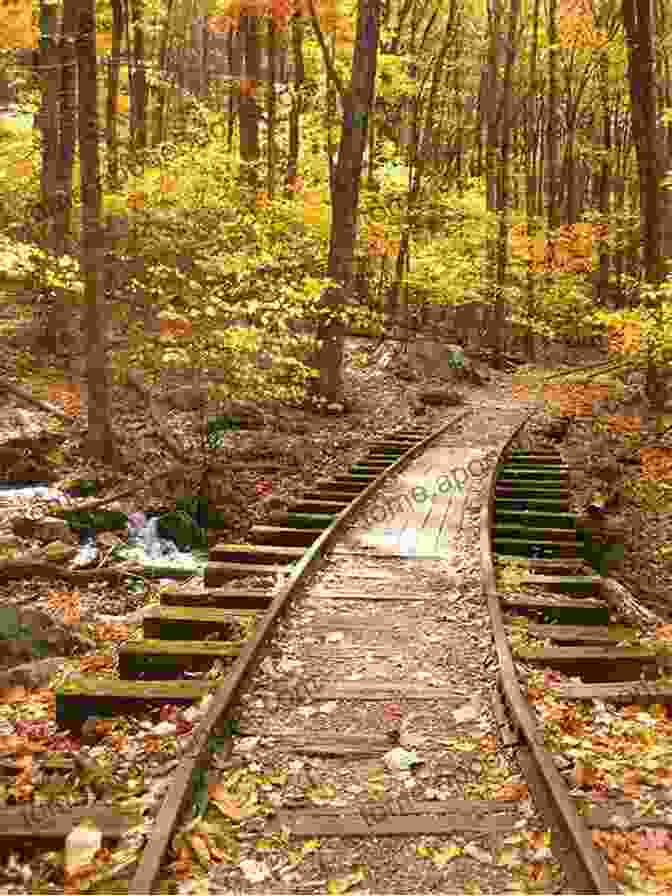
(585, 775)
(11, 743)
(112, 632)
(97, 663)
(535, 870)
(14, 695)
(513, 791)
(632, 783)
(120, 743)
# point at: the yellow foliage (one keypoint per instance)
(17, 29)
(625, 337)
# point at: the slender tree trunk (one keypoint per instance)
(270, 108)
(248, 108)
(552, 130)
(68, 91)
(48, 119)
(504, 191)
(139, 91)
(358, 103)
(604, 183)
(114, 66)
(100, 439)
(296, 109)
(531, 179)
(161, 89)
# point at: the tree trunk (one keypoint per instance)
(160, 89)
(114, 66)
(503, 193)
(68, 75)
(641, 80)
(139, 89)
(297, 101)
(270, 108)
(552, 134)
(248, 109)
(358, 102)
(100, 438)
(48, 118)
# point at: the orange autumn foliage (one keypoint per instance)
(571, 251)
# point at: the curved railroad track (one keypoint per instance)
(584, 688)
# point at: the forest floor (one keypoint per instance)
(384, 389)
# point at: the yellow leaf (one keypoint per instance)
(338, 885)
(441, 857)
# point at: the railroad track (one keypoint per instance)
(176, 632)
(554, 627)
(525, 513)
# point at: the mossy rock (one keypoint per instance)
(181, 528)
(100, 520)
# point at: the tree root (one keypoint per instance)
(24, 569)
(622, 601)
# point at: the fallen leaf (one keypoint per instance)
(338, 885)
(469, 712)
(254, 872)
(97, 663)
(13, 695)
(81, 845)
(444, 855)
(512, 791)
(392, 712)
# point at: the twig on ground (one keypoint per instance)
(6, 386)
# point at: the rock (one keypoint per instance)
(441, 397)
(335, 408)
(48, 528)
